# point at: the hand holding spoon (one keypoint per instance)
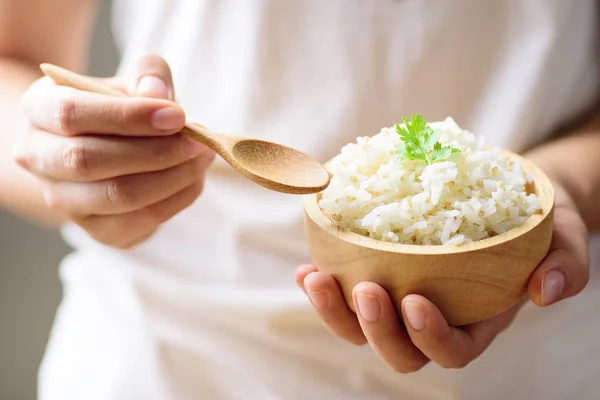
(268, 164)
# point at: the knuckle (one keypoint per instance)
(21, 156)
(66, 111)
(51, 199)
(22, 159)
(118, 194)
(78, 159)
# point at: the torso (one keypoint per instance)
(314, 75)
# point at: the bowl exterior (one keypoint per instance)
(466, 286)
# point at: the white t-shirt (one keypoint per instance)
(208, 307)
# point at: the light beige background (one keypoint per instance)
(29, 257)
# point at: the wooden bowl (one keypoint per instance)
(469, 282)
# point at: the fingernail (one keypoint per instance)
(368, 307)
(319, 299)
(553, 284)
(415, 315)
(167, 119)
(152, 86)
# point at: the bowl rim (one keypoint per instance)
(543, 187)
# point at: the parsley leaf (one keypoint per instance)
(419, 141)
(440, 153)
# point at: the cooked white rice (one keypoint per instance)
(475, 194)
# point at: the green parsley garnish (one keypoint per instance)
(419, 142)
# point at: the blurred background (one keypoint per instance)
(29, 258)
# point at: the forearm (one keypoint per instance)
(573, 162)
(20, 191)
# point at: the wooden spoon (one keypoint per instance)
(271, 165)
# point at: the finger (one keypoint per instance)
(445, 345)
(137, 225)
(151, 77)
(565, 270)
(326, 297)
(380, 324)
(93, 158)
(125, 193)
(70, 112)
(301, 272)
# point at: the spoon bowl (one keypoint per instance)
(271, 165)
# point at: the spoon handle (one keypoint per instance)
(64, 77)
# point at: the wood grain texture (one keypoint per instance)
(271, 165)
(469, 282)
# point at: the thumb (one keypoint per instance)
(565, 270)
(151, 77)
